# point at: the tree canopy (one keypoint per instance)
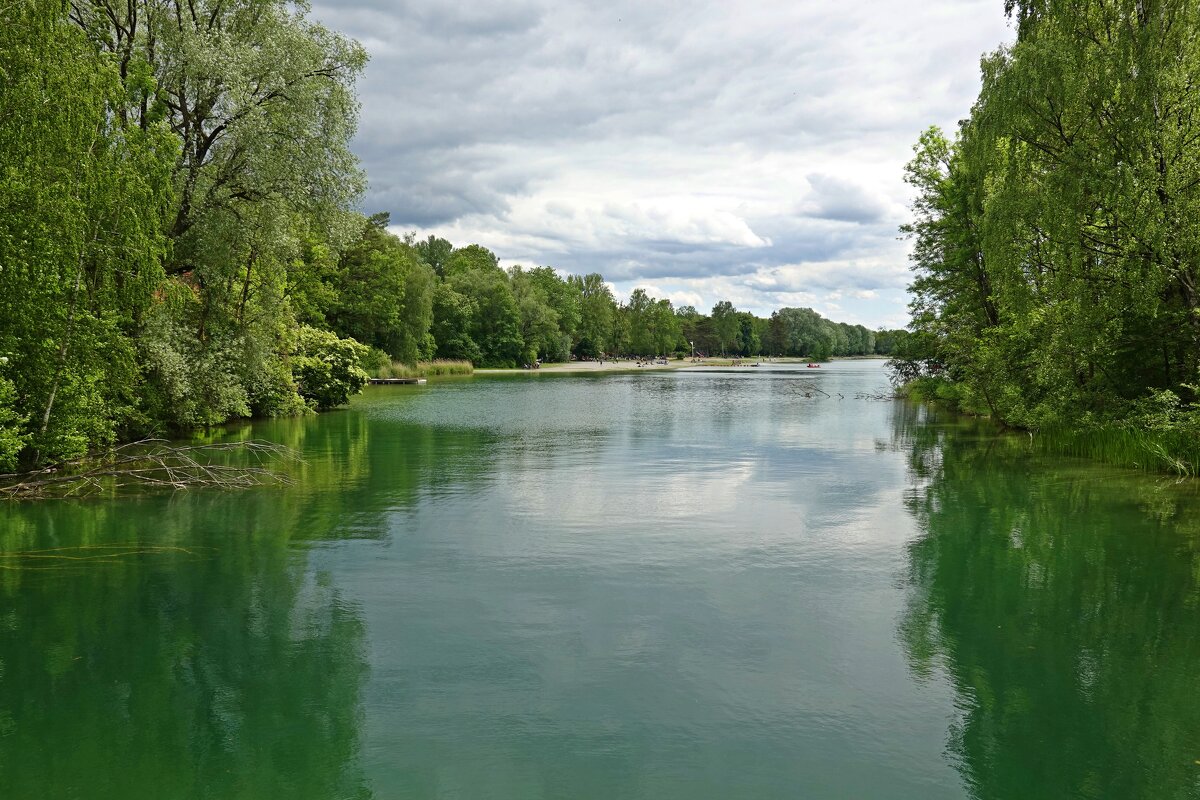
(1055, 241)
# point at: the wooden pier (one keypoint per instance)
(395, 381)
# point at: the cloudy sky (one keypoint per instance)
(749, 151)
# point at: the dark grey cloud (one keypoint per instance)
(753, 147)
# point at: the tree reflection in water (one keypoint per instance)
(1061, 600)
(176, 646)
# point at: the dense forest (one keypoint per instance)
(180, 245)
(1056, 235)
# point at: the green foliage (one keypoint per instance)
(81, 208)
(540, 321)
(654, 329)
(328, 368)
(385, 295)
(725, 325)
(376, 363)
(1055, 238)
(13, 437)
(803, 332)
(469, 259)
(453, 319)
(597, 312)
(494, 324)
(190, 383)
(435, 253)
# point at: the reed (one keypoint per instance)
(1172, 450)
(425, 369)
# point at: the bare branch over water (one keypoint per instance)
(156, 464)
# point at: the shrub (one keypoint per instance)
(327, 368)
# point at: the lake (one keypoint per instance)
(702, 583)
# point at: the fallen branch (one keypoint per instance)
(154, 464)
(878, 394)
(807, 389)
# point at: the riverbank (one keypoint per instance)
(627, 365)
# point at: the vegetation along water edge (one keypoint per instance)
(181, 245)
(1055, 238)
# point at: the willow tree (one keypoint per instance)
(82, 204)
(1056, 243)
(260, 100)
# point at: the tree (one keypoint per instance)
(666, 328)
(565, 298)
(81, 207)
(639, 314)
(597, 314)
(539, 321)
(386, 294)
(697, 330)
(726, 326)
(435, 252)
(472, 258)
(453, 320)
(1053, 236)
(260, 103)
(474, 272)
(750, 333)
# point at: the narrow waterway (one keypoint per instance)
(744, 583)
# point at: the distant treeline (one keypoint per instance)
(416, 300)
(178, 245)
(1057, 235)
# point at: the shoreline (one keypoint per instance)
(626, 365)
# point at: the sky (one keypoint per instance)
(742, 151)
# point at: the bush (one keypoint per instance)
(327, 368)
(376, 362)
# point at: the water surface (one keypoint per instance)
(753, 583)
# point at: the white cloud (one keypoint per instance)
(750, 152)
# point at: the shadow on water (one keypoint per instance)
(1061, 600)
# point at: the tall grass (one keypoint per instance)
(424, 369)
(1172, 450)
(1158, 435)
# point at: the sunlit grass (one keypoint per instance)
(425, 369)
(1126, 446)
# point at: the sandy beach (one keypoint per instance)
(624, 365)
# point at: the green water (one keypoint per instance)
(674, 585)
